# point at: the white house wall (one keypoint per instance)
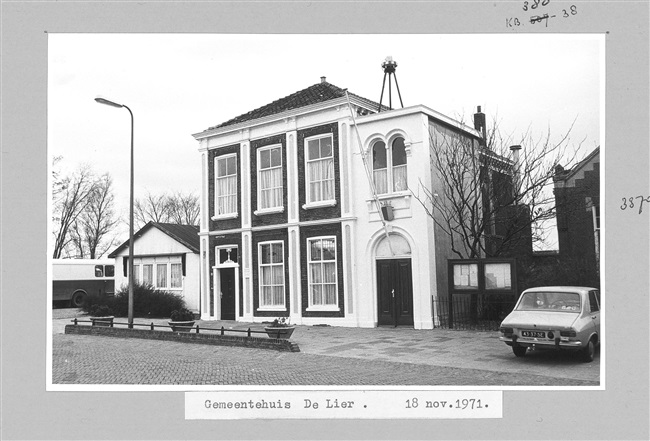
(154, 246)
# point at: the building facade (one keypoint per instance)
(308, 211)
(577, 198)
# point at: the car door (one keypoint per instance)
(594, 310)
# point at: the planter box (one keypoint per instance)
(103, 321)
(182, 326)
(282, 332)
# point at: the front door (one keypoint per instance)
(395, 296)
(227, 277)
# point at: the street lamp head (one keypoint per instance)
(102, 100)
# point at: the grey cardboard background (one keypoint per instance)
(29, 412)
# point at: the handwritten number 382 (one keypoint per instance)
(535, 4)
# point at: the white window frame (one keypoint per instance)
(140, 262)
(234, 214)
(390, 167)
(262, 307)
(311, 306)
(278, 208)
(326, 202)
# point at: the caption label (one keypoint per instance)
(342, 404)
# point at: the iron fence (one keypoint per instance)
(196, 328)
(471, 312)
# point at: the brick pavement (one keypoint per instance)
(81, 359)
(457, 356)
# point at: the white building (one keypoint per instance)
(165, 256)
(291, 224)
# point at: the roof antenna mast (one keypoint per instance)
(389, 67)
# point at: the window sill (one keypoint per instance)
(270, 309)
(323, 309)
(320, 204)
(225, 216)
(264, 211)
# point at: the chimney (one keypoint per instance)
(322, 80)
(479, 123)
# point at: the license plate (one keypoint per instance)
(533, 334)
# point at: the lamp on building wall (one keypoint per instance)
(130, 311)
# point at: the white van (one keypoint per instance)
(74, 279)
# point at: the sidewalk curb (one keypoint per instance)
(186, 337)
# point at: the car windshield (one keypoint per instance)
(550, 301)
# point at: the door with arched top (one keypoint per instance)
(395, 292)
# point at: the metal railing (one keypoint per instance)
(475, 314)
(152, 326)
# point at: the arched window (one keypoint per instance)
(399, 165)
(380, 167)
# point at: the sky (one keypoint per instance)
(177, 85)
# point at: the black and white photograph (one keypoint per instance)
(383, 229)
(418, 220)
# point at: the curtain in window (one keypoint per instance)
(272, 275)
(147, 274)
(322, 272)
(380, 178)
(399, 178)
(399, 165)
(136, 273)
(177, 275)
(321, 180)
(271, 188)
(161, 275)
(227, 195)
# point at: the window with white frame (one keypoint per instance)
(389, 170)
(271, 275)
(176, 275)
(225, 185)
(380, 167)
(160, 272)
(161, 275)
(269, 182)
(322, 272)
(147, 274)
(398, 159)
(320, 169)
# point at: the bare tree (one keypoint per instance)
(71, 197)
(178, 208)
(151, 208)
(492, 197)
(184, 209)
(92, 230)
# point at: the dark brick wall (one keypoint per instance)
(264, 236)
(223, 224)
(187, 337)
(226, 239)
(316, 231)
(324, 212)
(575, 223)
(275, 218)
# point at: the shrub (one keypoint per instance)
(182, 315)
(147, 301)
(100, 311)
(94, 300)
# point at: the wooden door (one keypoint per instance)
(227, 277)
(395, 296)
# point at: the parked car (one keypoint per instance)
(554, 317)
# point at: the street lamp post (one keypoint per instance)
(130, 269)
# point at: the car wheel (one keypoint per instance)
(78, 299)
(519, 351)
(589, 351)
